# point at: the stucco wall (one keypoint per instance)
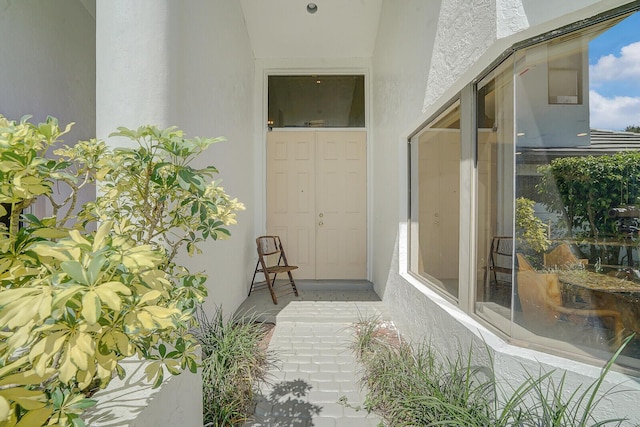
(187, 65)
(48, 63)
(212, 73)
(415, 72)
(47, 66)
(463, 33)
(406, 36)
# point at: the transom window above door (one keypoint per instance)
(332, 101)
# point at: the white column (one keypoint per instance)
(132, 72)
(132, 89)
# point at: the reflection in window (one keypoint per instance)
(436, 201)
(566, 60)
(577, 216)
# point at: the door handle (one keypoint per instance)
(321, 214)
(321, 223)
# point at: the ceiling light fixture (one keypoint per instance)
(312, 8)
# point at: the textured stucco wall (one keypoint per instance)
(510, 17)
(132, 65)
(463, 39)
(47, 67)
(464, 32)
(133, 402)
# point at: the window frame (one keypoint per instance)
(413, 205)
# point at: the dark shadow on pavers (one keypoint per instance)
(286, 406)
(259, 305)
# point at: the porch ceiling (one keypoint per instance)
(339, 28)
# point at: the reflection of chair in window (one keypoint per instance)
(271, 262)
(541, 301)
(500, 270)
(561, 257)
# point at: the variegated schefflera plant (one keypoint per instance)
(74, 303)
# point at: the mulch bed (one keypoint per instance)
(268, 333)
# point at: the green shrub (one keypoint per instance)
(582, 189)
(531, 232)
(235, 362)
(416, 386)
(74, 303)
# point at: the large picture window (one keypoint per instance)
(556, 152)
(436, 189)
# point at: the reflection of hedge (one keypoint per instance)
(530, 230)
(583, 189)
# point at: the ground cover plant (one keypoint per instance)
(235, 362)
(415, 386)
(90, 285)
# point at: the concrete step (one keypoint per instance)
(332, 312)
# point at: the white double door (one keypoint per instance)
(316, 201)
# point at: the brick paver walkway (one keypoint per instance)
(315, 366)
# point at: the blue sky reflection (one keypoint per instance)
(614, 76)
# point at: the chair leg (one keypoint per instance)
(293, 283)
(254, 277)
(267, 276)
(283, 257)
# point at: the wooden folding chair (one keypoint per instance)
(271, 262)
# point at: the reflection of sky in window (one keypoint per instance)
(614, 76)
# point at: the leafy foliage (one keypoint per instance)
(530, 230)
(170, 203)
(235, 363)
(25, 173)
(74, 303)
